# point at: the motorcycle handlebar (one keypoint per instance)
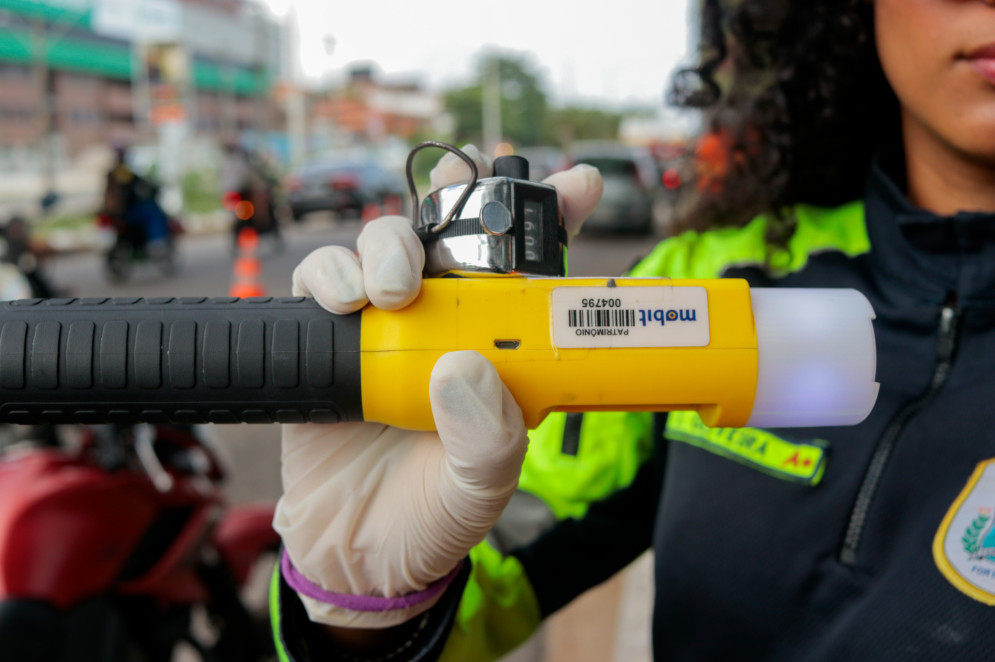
(177, 360)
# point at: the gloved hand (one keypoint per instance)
(376, 520)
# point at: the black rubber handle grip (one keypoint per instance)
(178, 360)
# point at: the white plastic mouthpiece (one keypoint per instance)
(816, 357)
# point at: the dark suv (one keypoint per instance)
(632, 186)
(344, 187)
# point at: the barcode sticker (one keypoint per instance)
(657, 316)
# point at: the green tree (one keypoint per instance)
(524, 106)
(527, 117)
(566, 125)
(465, 105)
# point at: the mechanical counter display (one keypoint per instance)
(739, 357)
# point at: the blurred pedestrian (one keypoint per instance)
(131, 203)
(861, 154)
(24, 250)
(250, 192)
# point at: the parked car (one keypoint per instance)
(345, 187)
(632, 186)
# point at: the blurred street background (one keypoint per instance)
(325, 102)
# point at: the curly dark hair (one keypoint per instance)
(798, 88)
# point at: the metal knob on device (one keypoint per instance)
(515, 167)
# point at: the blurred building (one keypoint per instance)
(75, 73)
(366, 109)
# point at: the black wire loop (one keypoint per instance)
(416, 203)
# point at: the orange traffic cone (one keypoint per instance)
(245, 282)
(370, 211)
(393, 205)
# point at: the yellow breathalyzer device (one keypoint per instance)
(736, 356)
(760, 357)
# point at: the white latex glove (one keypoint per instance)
(371, 511)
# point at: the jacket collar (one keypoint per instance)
(929, 256)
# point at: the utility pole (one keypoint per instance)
(46, 128)
(42, 40)
(262, 115)
(295, 102)
(491, 102)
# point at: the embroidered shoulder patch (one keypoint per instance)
(964, 545)
(799, 462)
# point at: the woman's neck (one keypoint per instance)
(941, 178)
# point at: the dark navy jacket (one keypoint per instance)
(749, 567)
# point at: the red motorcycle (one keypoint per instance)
(112, 552)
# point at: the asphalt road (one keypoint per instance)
(206, 263)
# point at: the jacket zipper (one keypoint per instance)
(946, 346)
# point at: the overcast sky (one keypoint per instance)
(613, 53)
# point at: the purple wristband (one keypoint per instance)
(369, 603)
